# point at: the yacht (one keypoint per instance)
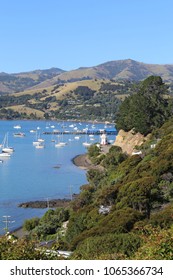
(7, 155)
(39, 146)
(17, 126)
(19, 134)
(5, 148)
(86, 144)
(60, 143)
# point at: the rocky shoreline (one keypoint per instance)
(53, 203)
(82, 161)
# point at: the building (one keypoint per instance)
(104, 140)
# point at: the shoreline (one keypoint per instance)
(42, 204)
(82, 161)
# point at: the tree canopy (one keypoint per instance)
(146, 109)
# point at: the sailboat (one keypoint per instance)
(39, 143)
(35, 143)
(60, 143)
(39, 146)
(5, 147)
(86, 144)
(5, 155)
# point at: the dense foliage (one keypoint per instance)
(132, 198)
(145, 110)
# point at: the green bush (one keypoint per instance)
(108, 244)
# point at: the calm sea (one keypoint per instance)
(30, 173)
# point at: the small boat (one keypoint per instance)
(39, 146)
(17, 126)
(20, 134)
(60, 143)
(8, 150)
(40, 140)
(35, 143)
(1, 161)
(86, 144)
(7, 155)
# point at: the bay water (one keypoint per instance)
(39, 174)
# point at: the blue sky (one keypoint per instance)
(68, 34)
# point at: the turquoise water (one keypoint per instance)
(29, 173)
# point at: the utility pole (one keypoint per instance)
(7, 222)
(71, 194)
(48, 205)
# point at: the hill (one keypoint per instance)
(10, 83)
(85, 99)
(117, 70)
(121, 70)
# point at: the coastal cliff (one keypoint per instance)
(129, 140)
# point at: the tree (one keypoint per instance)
(146, 109)
(140, 194)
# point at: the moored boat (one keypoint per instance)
(19, 134)
(7, 155)
(5, 147)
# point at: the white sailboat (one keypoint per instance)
(36, 142)
(5, 155)
(86, 143)
(5, 146)
(17, 126)
(39, 146)
(60, 143)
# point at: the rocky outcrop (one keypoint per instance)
(129, 140)
(53, 203)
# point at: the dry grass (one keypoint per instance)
(27, 110)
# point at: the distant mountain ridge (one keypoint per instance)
(127, 69)
(10, 83)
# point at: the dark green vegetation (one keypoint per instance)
(87, 104)
(126, 211)
(147, 109)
